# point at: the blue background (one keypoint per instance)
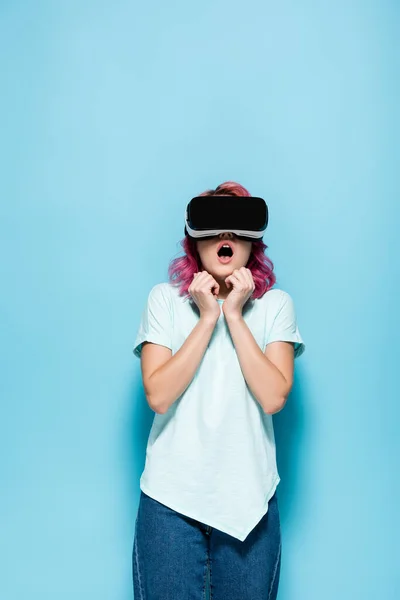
(113, 115)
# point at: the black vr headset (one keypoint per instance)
(208, 216)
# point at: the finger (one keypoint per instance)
(240, 277)
(233, 280)
(214, 286)
(244, 276)
(249, 277)
(198, 277)
(206, 279)
(228, 281)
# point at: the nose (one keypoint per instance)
(226, 234)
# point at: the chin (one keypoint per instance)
(225, 269)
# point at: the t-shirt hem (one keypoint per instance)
(240, 535)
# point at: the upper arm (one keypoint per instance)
(281, 354)
(153, 343)
(153, 356)
(284, 342)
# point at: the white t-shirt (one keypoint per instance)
(211, 456)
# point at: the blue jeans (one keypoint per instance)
(175, 557)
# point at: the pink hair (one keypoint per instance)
(182, 269)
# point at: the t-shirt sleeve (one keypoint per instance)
(156, 321)
(284, 327)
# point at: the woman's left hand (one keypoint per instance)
(243, 286)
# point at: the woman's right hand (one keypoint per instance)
(204, 290)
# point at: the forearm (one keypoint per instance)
(265, 381)
(170, 380)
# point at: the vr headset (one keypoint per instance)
(245, 216)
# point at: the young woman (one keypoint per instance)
(217, 347)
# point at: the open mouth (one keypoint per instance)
(225, 250)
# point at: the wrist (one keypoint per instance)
(233, 316)
(209, 320)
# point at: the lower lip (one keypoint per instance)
(224, 259)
